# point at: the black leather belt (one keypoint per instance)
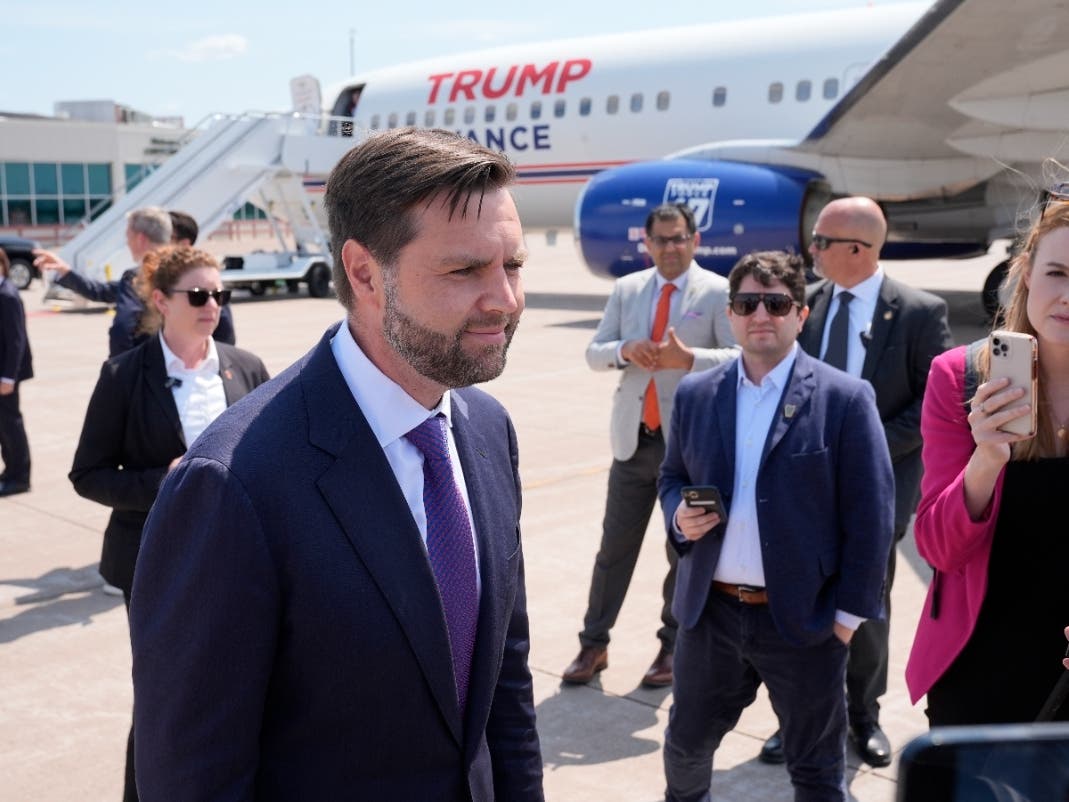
(744, 593)
(643, 429)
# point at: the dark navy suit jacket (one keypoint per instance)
(825, 495)
(288, 638)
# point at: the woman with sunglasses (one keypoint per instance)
(152, 402)
(989, 643)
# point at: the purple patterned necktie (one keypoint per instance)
(449, 546)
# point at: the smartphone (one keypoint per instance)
(707, 496)
(1015, 355)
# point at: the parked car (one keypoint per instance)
(19, 252)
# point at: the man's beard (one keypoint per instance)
(438, 356)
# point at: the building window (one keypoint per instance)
(636, 102)
(72, 177)
(663, 99)
(612, 104)
(775, 92)
(720, 96)
(831, 88)
(53, 193)
(17, 178)
(803, 90)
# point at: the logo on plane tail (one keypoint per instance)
(698, 193)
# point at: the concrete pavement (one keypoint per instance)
(64, 649)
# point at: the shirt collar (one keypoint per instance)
(775, 378)
(868, 290)
(679, 281)
(390, 411)
(208, 366)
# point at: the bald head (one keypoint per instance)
(857, 230)
(862, 217)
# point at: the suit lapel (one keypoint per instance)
(726, 415)
(883, 320)
(156, 378)
(228, 375)
(366, 500)
(813, 330)
(799, 388)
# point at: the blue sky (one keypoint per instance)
(195, 57)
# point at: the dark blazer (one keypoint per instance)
(123, 333)
(131, 434)
(288, 638)
(909, 329)
(825, 495)
(16, 361)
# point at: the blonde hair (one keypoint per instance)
(1054, 216)
(160, 270)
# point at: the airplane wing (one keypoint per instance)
(973, 87)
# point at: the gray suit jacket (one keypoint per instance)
(700, 321)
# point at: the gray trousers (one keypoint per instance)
(632, 495)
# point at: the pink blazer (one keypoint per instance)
(955, 545)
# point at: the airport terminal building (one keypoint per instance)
(56, 172)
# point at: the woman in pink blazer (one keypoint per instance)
(990, 637)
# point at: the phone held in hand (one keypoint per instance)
(705, 496)
(1015, 355)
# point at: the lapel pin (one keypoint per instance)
(227, 374)
(788, 411)
(888, 315)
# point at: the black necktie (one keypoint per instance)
(839, 334)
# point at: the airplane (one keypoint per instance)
(943, 113)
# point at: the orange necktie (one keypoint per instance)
(651, 412)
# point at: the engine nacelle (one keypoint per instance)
(738, 208)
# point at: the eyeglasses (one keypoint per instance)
(822, 243)
(199, 297)
(678, 239)
(777, 303)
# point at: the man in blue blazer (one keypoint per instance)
(772, 586)
(321, 611)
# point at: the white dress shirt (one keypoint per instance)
(392, 413)
(862, 308)
(198, 393)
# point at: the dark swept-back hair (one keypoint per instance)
(371, 191)
(183, 226)
(769, 266)
(668, 212)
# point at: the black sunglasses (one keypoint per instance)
(199, 297)
(822, 243)
(777, 303)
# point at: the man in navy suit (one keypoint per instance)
(772, 589)
(16, 365)
(320, 611)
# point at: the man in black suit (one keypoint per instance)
(367, 635)
(16, 365)
(889, 335)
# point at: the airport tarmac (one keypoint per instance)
(64, 648)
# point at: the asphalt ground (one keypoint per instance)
(65, 690)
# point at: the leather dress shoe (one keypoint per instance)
(659, 674)
(772, 751)
(10, 488)
(871, 744)
(590, 661)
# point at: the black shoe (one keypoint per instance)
(9, 488)
(871, 744)
(772, 751)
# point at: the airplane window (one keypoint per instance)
(559, 108)
(469, 114)
(375, 121)
(536, 109)
(831, 88)
(584, 106)
(449, 117)
(612, 104)
(428, 118)
(803, 90)
(510, 112)
(663, 99)
(489, 113)
(636, 102)
(775, 92)
(720, 96)
(410, 118)
(391, 121)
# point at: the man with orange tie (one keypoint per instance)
(658, 325)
